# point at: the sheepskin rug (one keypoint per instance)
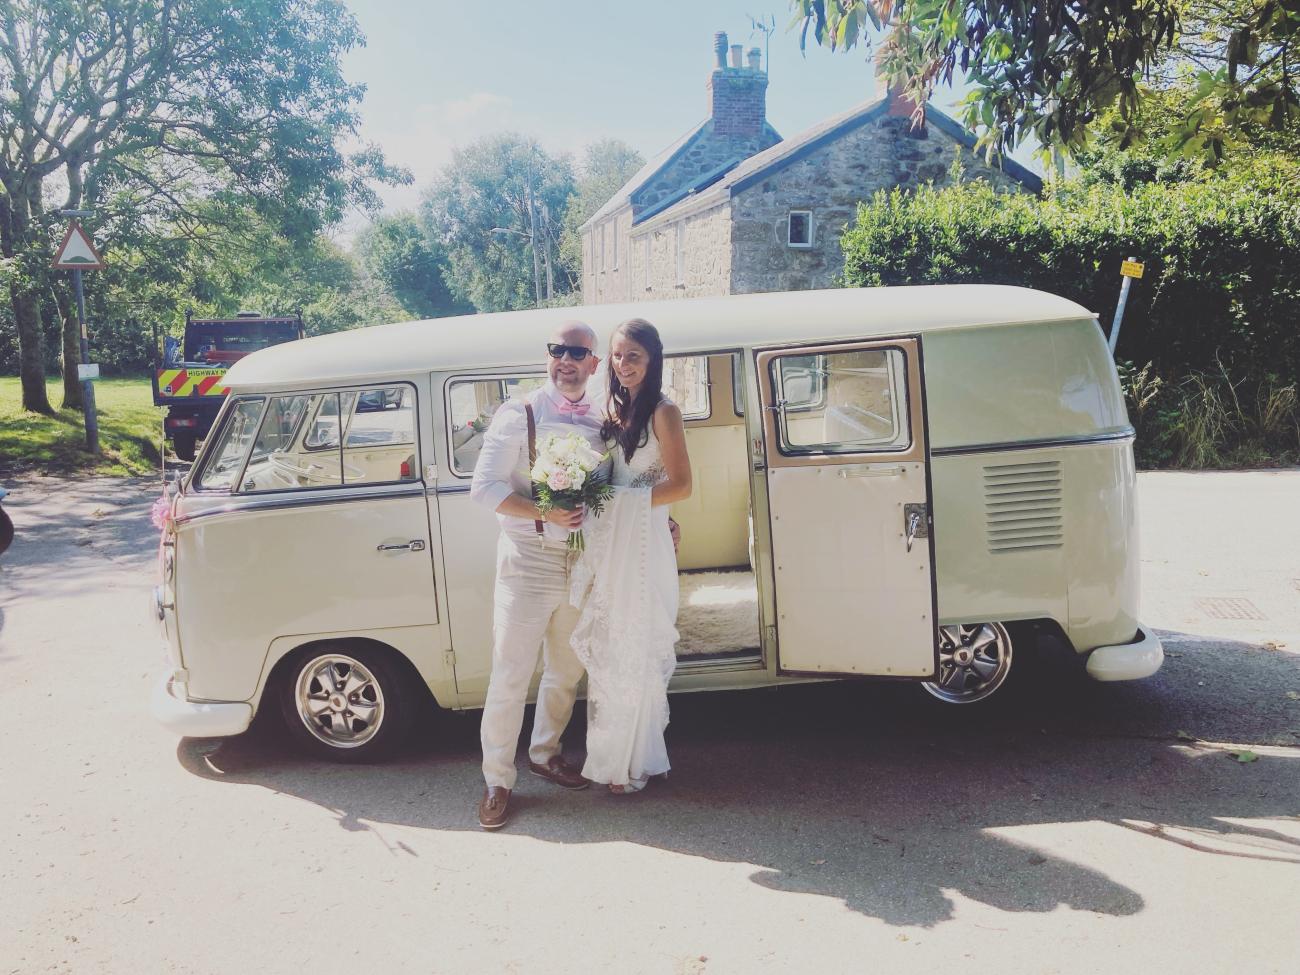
(718, 613)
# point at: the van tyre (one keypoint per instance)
(974, 662)
(183, 444)
(347, 704)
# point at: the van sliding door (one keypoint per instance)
(848, 491)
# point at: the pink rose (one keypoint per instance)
(558, 481)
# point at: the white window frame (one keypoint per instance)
(645, 263)
(789, 219)
(679, 229)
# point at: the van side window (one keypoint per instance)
(227, 456)
(470, 406)
(842, 402)
(686, 383)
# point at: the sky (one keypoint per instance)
(441, 74)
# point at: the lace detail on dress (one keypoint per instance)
(626, 586)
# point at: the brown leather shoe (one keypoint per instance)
(560, 772)
(493, 808)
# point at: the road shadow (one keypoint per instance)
(858, 791)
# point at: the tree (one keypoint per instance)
(181, 102)
(409, 266)
(606, 166)
(496, 209)
(1049, 69)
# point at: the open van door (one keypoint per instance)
(849, 499)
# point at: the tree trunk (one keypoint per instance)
(15, 240)
(71, 348)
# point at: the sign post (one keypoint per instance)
(76, 254)
(1129, 269)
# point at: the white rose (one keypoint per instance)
(577, 477)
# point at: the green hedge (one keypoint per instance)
(1221, 290)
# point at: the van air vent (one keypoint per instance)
(1022, 506)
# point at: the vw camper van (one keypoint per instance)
(903, 483)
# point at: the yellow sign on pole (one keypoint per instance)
(1131, 269)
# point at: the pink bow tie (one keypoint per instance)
(577, 409)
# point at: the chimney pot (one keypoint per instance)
(736, 51)
(755, 59)
(720, 49)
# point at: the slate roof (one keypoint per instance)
(770, 161)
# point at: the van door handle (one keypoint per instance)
(864, 471)
(414, 545)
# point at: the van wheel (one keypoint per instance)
(183, 444)
(346, 705)
(974, 661)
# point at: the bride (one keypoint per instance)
(626, 581)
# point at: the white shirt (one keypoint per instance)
(502, 468)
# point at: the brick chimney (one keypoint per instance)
(737, 95)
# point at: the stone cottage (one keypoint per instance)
(732, 208)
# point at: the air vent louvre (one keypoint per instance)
(1022, 506)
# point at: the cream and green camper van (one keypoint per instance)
(904, 483)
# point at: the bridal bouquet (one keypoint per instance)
(565, 477)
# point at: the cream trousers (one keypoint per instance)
(530, 613)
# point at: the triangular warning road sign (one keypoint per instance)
(77, 251)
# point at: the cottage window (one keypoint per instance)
(800, 228)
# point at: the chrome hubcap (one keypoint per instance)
(339, 700)
(974, 660)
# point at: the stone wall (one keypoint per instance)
(607, 276)
(830, 182)
(706, 263)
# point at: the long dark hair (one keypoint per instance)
(627, 420)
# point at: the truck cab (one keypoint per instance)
(188, 376)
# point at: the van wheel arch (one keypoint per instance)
(1030, 645)
(391, 688)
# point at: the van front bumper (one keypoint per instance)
(173, 709)
(1127, 661)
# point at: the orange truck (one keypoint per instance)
(188, 372)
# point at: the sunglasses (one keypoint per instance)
(576, 352)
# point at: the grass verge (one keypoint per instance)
(130, 431)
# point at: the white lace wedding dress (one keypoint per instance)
(625, 584)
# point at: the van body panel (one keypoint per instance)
(246, 576)
(977, 580)
(1021, 383)
(1102, 560)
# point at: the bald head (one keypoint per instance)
(569, 373)
(574, 332)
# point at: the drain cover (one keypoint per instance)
(1229, 608)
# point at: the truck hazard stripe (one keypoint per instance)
(204, 385)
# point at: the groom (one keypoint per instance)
(531, 600)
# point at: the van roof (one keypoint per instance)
(695, 325)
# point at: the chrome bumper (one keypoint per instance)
(1127, 661)
(197, 719)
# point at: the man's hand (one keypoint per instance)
(675, 530)
(566, 518)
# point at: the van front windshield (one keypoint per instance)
(227, 455)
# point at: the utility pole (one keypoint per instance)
(532, 230)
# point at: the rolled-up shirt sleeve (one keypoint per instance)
(500, 456)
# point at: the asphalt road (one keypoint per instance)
(830, 828)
